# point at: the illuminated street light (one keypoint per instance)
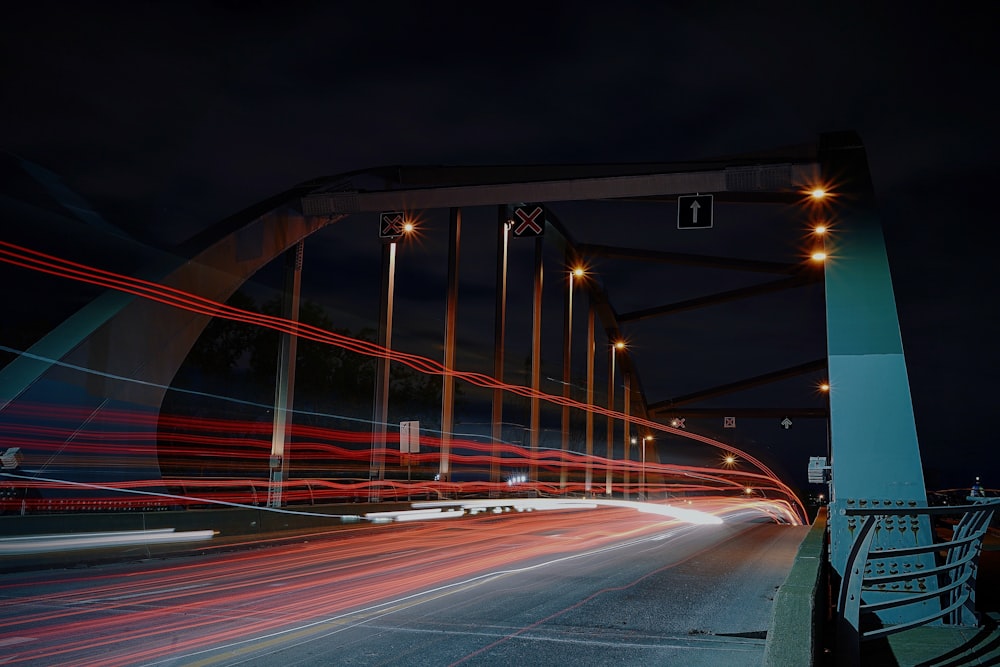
(617, 345)
(820, 230)
(642, 482)
(819, 195)
(499, 328)
(576, 273)
(381, 408)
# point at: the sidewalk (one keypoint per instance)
(951, 647)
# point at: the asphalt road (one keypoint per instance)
(598, 587)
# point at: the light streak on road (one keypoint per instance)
(40, 544)
(180, 611)
(673, 511)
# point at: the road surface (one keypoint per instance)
(604, 586)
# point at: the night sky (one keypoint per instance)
(165, 118)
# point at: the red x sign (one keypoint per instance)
(529, 220)
(390, 225)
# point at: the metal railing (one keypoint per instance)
(937, 580)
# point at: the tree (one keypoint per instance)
(224, 342)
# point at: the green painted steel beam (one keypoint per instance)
(874, 449)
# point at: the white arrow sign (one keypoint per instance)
(786, 422)
(694, 211)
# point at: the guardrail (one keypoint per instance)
(941, 593)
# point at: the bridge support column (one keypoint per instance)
(874, 450)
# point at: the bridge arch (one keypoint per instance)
(875, 453)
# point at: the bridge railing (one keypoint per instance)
(942, 594)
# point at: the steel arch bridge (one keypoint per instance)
(875, 455)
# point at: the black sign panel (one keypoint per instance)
(391, 224)
(694, 212)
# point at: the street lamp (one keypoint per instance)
(642, 482)
(632, 442)
(392, 227)
(576, 273)
(617, 345)
(499, 327)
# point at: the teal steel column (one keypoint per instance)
(874, 451)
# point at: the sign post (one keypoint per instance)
(409, 443)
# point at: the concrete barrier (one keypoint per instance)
(794, 636)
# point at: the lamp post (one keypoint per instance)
(628, 428)
(499, 326)
(392, 226)
(628, 444)
(642, 482)
(576, 273)
(617, 345)
(588, 482)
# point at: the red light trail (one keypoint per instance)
(52, 265)
(185, 610)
